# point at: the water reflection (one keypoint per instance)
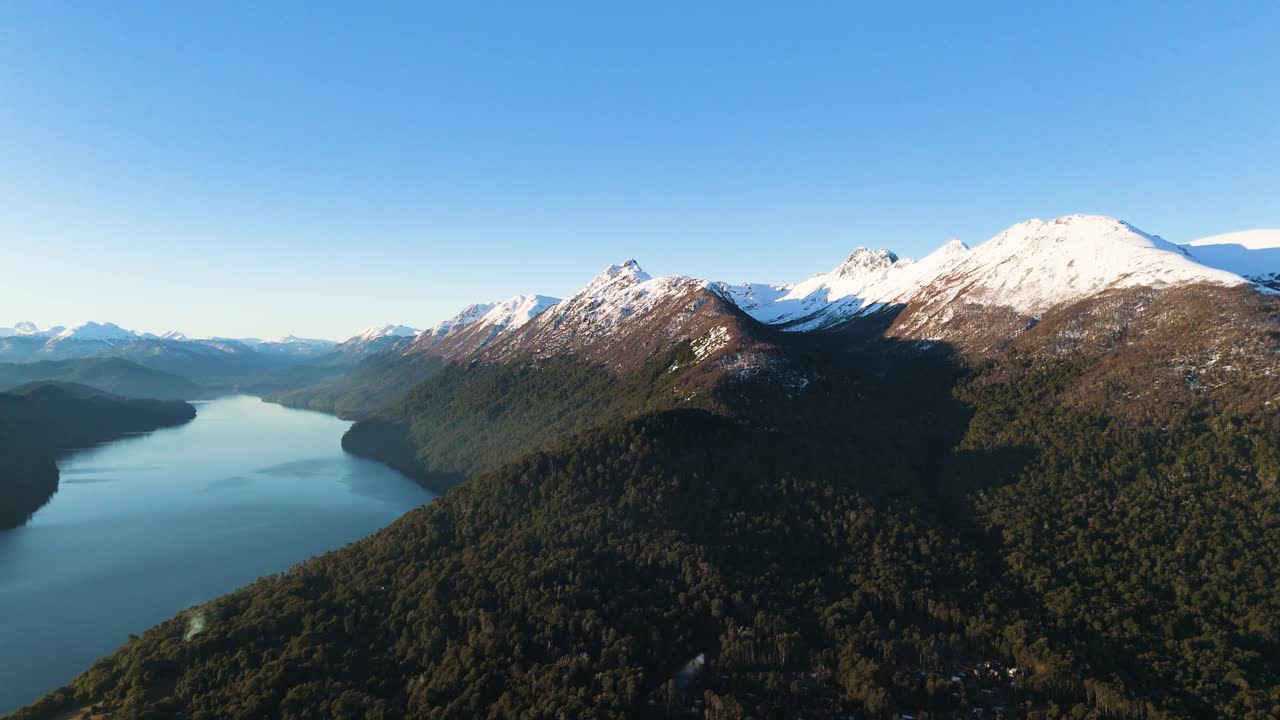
(144, 527)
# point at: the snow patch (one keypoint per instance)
(711, 343)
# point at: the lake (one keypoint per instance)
(144, 527)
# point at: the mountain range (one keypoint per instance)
(1039, 476)
(1023, 272)
(976, 299)
(1027, 269)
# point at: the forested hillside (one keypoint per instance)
(363, 389)
(1084, 525)
(473, 417)
(40, 420)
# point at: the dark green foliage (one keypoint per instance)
(839, 535)
(577, 583)
(1154, 552)
(365, 388)
(471, 417)
(39, 420)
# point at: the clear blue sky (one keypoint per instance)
(262, 168)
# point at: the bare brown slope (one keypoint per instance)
(722, 337)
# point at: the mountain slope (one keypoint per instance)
(355, 384)
(675, 509)
(890, 540)
(108, 374)
(624, 317)
(465, 334)
(377, 338)
(623, 345)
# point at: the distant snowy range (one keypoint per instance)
(1028, 268)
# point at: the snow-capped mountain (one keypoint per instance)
(624, 317)
(866, 281)
(1254, 254)
(293, 346)
(88, 338)
(386, 330)
(96, 332)
(1026, 269)
(173, 351)
(29, 329)
(479, 325)
(377, 338)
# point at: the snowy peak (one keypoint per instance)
(377, 337)
(864, 282)
(507, 314)
(621, 290)
(295, 340)
(624, 317)
(1028, 268)
(383, 331)
(514, 312)
(292, 346)
(627, 274)
(1037, 264)
(92, 331)
(28, 328)
(863, 261)
(469, 314)
(1077, 234)
(478, 325)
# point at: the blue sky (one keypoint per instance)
(267, 168)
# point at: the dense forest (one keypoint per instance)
(40, 420)
(1084, 526)
(363, 389)
(472, 417)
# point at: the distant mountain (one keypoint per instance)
(366, 373)
(107, 374)
(291, 346)
(1254, 254)
(377, 338)
(29, 329)
(40, 420)
(479, 325)
(220, 362)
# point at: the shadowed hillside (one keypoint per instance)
(40, 420)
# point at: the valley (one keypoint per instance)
(1033, 478)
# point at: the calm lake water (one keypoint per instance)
(146, 526)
